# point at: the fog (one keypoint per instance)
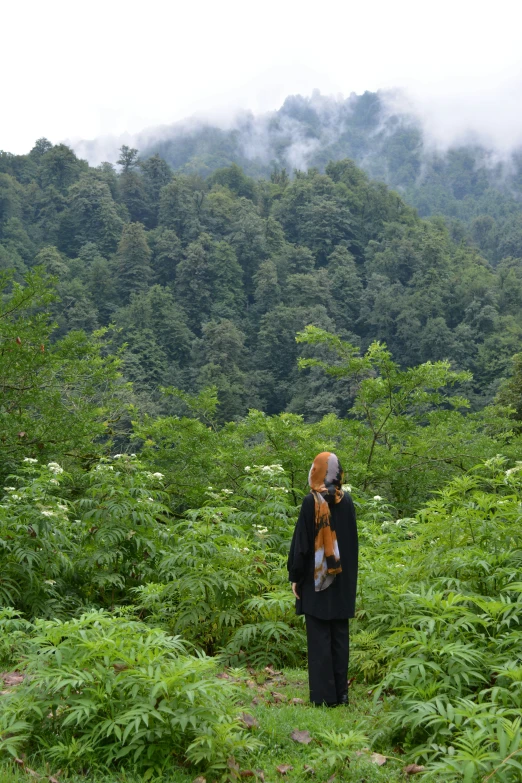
(107, 71)
(493, 121)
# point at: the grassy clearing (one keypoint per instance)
(278, 719)
(268, 698)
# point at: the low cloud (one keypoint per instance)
(296, 133)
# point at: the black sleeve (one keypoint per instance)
(301, 547)
(354, 536)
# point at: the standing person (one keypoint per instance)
(322, 566)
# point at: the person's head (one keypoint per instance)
(326, 475)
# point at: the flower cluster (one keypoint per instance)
(516, 469)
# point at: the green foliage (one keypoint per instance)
(120, 574)
(331, 249)
(441, 603)
(103, 690)
(56, 398)
(336, 748)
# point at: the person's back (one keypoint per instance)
(322, 566)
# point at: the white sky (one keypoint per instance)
(72, 70)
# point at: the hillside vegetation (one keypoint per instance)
(206, 281)
(174, 351)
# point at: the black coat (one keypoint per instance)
(337, 602)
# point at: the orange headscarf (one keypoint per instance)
(325, 479)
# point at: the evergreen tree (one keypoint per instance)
(133, 260)
(166, 254)
(92, 216)
(156, 175)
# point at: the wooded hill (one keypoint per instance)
(477, 188)
(207, 280)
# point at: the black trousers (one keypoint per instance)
(328, 652)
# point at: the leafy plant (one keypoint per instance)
(103, 690)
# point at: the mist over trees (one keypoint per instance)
(206, 280)
(464, 181)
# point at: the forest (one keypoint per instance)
(175, 348)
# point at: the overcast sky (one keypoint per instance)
(72, 70)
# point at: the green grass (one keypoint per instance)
(276, 721)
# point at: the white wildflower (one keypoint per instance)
(246, 549)
(53, 481)
(133, 455)
(49, 582)
(117, 456)
(47, 513)
(55, 467)
(30, 460)
(9, 489)
(247, 468)
(62, 507)
(346, 488)
(151, 500)
(227, 491)
(16, 497)
(377, 497)
(157, 475)
(209, 489)
(399, 565)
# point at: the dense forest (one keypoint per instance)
(206, 281)
(175, 348)
(476, 187)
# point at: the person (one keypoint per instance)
(322, 567)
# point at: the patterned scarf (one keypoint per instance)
(325, 479)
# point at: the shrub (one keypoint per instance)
(103, 690)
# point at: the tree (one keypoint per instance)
(133, 195)
(133, 260)
(227, 282)
(128, 159)
(267, 292)
(209, 282)
(233, 178)
(10, 199)
(390, 401)
(510, 391)
(156, 175)
(223, 353)
(179, 209)
(344, 290)
(41, 146)
(193, 283)
(247, 237)
(166, 254)
(56, 398)
(59, 168)
(92, 216)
